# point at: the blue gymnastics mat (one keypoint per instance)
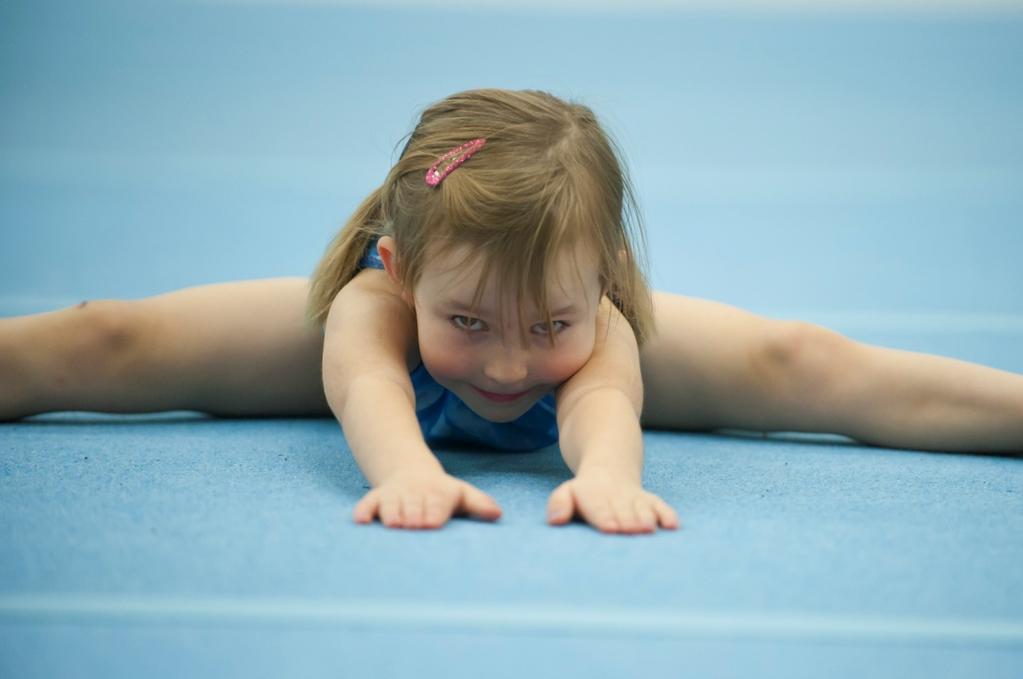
(863, 170)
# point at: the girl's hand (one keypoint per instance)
(609, 506)
(424, 500)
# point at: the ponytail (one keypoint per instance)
(341, 261)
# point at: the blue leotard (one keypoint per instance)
(445, 417)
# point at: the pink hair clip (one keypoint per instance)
(435, 176)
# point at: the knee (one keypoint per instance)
(105, 334)
(801, 358)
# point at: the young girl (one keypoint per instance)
(489, 291)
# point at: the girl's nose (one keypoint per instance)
(506, 368)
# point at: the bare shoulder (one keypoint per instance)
(374, 281)
(372, 307)
(612, 326)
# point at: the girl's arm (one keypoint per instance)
(369, 339)
(601, 439)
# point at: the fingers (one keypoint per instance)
(424, 507)
(604, 519)
(560, 506)
(628, 513)
(643, 514)
(412, 510)
(625, 515)
(436, 511)
(612, 512)
(666, 516)
(478, 504)
(366, 509)
(390, 510)
(571, 498)
(646, 517)
(397, 511)
(606, 509)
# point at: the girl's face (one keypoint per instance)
(481, 357)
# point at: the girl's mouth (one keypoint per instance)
(499, 398)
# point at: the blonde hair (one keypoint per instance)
(548, 178)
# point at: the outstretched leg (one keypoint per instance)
(712, 366)
(228, 349)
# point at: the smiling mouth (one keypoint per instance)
(500, 398)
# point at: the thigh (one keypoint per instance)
(701, 369)
(242, 348)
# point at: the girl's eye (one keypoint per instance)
(541, 328)
(467, 323)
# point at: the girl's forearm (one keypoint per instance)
(601, 433)
(379, 422)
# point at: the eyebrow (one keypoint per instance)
(462, 306)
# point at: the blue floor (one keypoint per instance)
(864, 171)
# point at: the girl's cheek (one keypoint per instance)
(443, 366)
(567, 362)
(442, 356)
